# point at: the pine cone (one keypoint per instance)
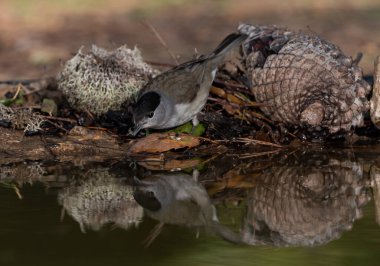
(303, 80)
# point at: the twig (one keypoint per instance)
(19, 81)
(208, 140)
(217, 100)
(58, 126)
(223, 102)
(160, 39)
(98, 128)
(160, 64)
(242, 156)
(27, 107)
(260, 142)
(253, 141)
(261, 117)
(17, 191)
(234, 85)
(37, 84)
(153, 234)
(17, 92)
(58, 119)
(247, 141)
(211, 158)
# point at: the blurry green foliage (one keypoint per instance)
(188, 128)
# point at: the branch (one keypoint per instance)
(160, 39)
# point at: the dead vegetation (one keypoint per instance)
(66, 129)
(234, 117)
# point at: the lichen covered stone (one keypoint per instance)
(103, 80)
(303, 80)
(21, 119)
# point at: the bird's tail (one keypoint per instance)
(218, 55)
(230, 42)
(214, 58)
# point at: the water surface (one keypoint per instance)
(309, 208)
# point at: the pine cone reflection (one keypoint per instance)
(305, 203)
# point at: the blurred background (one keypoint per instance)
(37, 35)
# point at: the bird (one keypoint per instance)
(179, 94)
(177, 198)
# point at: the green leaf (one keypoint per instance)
(7, 184)
(49, 106)
(6, 102)
(188, 128)
(20, 100)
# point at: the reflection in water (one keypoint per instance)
(21, 173)
(99, 199)
(176, 198)
(375, 178)
(305, 203)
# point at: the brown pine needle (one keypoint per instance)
(17, 92)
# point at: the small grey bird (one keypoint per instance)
(179, 94)
(176, 198)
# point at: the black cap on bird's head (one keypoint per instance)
(144, 109)
(147, 199)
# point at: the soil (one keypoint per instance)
(36, 38)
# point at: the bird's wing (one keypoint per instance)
(182, 83)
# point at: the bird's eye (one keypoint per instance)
(150, 115)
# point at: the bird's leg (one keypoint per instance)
(195, 123)
(195, 175)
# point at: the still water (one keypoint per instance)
(299, 208)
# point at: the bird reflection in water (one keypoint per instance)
(176, 198)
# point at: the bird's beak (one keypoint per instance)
(136, 130)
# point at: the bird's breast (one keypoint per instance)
(183, 113)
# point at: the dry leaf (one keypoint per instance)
(161, 142)
(233, 99)
(238, 181)
(173, 164)
(218, 91)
